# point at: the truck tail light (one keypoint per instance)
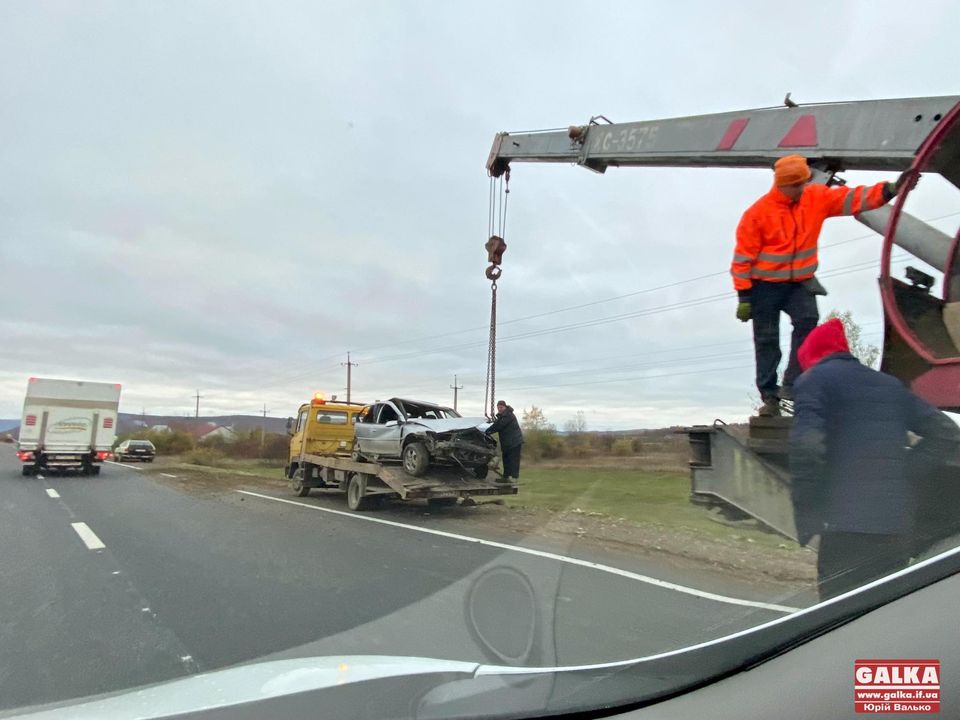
(31, 420)
(103, 455)
(24, 455)
(108, 423)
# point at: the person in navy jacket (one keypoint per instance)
(853, 480)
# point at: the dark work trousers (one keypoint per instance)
(511, 461)
(768, 300)
(848, 560)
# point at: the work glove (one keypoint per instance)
(744, 312)
(906, 180)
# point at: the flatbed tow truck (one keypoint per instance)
(321, 444)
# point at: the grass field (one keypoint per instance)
(641, 497)
(652, 497)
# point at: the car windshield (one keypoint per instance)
(390, 351)
(420, 411)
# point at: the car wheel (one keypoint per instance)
(415, 458)
(357, 493)
(296, 483)
(480, 471)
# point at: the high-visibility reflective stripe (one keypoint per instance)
(743, 258)
(741, 275)
(761, 274)
(848, 203)
(864, 206)
(787, 257)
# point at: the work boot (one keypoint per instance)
(770, 408)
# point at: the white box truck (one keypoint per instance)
(67, 425)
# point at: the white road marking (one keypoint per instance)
(168, 475)
(540, 553)
(52, 493)
(88, 536)
(128, 467)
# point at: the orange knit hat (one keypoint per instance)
(790, 170)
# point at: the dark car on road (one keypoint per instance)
(129, 450)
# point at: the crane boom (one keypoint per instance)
(860, 135)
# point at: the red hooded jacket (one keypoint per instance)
(822, 341)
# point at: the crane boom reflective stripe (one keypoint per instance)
(787, 257)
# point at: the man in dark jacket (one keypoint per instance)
(511, 440)
(849, 460)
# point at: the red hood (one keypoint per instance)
(823, 340)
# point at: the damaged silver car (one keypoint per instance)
(420, 434)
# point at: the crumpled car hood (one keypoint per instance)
(449, 424)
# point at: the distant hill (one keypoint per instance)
(129, 422)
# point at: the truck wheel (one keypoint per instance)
(480, 471)
(415, 458)
(296, 483)
(357, 493)
(28, 470)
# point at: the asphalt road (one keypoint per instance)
(159, 584)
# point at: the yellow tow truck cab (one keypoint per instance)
(322, 427)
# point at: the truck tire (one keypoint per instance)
(357, 498)
(416, 459)
(28, 470)
(297, 484)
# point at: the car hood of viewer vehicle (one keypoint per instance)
(450, 424)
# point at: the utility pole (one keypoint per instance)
(350, 366)
(198, 404)
(263, 426)
(455, 388)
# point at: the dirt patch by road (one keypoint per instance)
(731, 553)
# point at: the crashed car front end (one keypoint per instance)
(468, 447)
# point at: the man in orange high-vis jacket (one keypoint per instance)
(775, 260)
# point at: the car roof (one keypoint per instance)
(423, 403)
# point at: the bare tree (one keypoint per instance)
(577, 424)
(866, 353)
(534, 419)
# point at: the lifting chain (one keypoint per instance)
(495, 247)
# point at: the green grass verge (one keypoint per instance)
(645, 498)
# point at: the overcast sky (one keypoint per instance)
(230, 196)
